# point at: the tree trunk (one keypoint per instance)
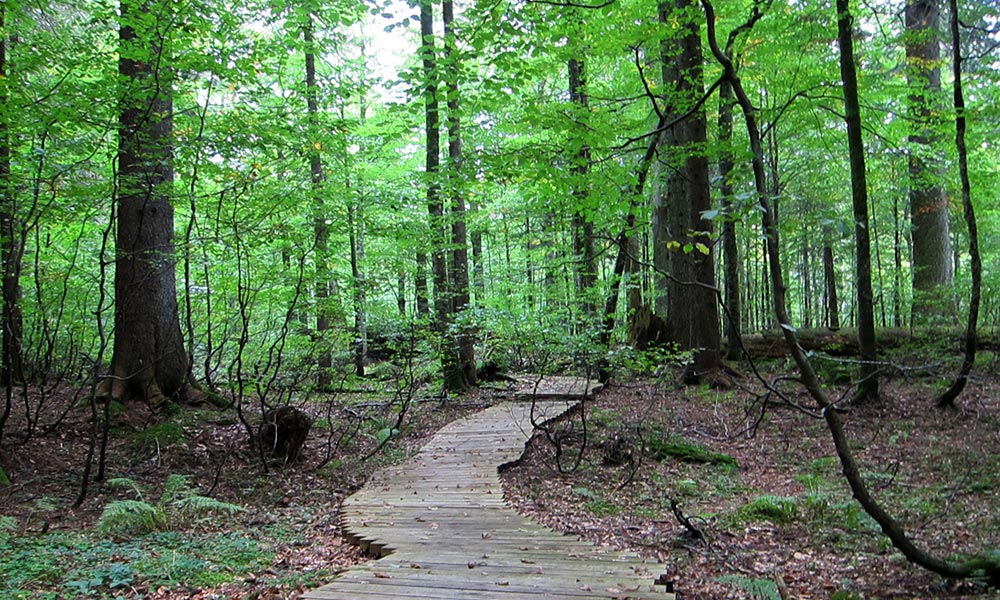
(730, 250)
(11, 245)
(830, 301)
(976, 267)
(932, 267)
(435, 206)
(321, 231)
(465, 373)
(420, 292)
(355, 216)
(583, 227)
(149, 360)
(692, 311)
(868, 386)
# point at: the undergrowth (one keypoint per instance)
(178, 503)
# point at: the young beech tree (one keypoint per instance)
(149, 359)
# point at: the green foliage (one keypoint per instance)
(7, 525)
(595, 504)
(177, 504)
(673, 447)
(64, 564)
(777, 509)
(756, 589)
(160, 435)
(131, 516)
(629, 361)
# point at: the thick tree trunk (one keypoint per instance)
(149, 360)
(932, 267)
(868, 386)
(692, 309)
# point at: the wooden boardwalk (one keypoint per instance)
(443, 531)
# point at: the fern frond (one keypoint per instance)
(176, 487)
(201, 505)
(125, 482)
(7, 524)
(131, 516)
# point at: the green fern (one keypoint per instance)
(178, 502)
(203, 505)
(175, 488)
(757, 589)
(7, 525)
(131, 517)
(125, 482)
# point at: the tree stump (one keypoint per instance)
(283, 432)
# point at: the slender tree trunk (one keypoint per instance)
(435, 206)
(730, 250)
(420, 291)
(868, 386)
(976, 267)
(583, 227)
(355, 215)
(11, 244)
(830, 301)
(401, 294)
(321, 230)
(149, 359)
(932, 267)
(465, 373)
(478, 268)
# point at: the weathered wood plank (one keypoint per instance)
(444, 532)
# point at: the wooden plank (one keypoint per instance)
(444, 531)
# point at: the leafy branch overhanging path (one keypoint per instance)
(443, 531)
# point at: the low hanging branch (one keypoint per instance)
(890, 526)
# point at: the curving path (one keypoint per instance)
(443, 531)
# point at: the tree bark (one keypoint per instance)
(11, 245)
(435, 206)
(149, 360)
(465, 372)
(692, 310)
(933, 274)
(868, 387)
(830, 301)
(976, 267)
(583, 227)
(321, 231)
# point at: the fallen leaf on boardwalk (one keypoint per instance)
(527, 562)
(503, 583)
(381, 575)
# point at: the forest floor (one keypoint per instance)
(762, 487)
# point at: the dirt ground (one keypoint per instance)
(762, 491)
